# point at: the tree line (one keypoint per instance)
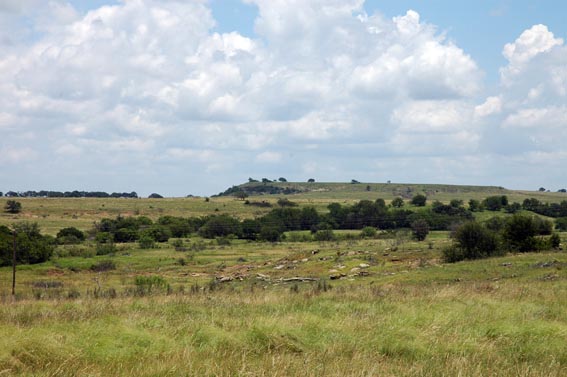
(68, 194)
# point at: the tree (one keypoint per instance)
(560, 190)
(13, 206)
(474, 205)
(354, 181)
(311, 180)
(456, 203)
(70, 235)
(155, 196)
(282, 179)
(419, 200)
(420, 229)
(266, 180)
(495, 203)
(519, 232)
(541, 189)
(561, 224)
(252, 180)
(241, 195)
(472, 241)
(397, 202)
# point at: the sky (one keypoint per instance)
(194, 96)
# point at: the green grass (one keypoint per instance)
(397, 311)
(411, 316)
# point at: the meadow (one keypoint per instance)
(381, 306)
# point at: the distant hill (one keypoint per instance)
(404, 190)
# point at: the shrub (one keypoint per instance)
(102, 266)
(146, 241)
(555, 241)
(472, 241)
(105, 248)
(397, 202)
(147, 284)
(368, 232)
(70, 234)
(324, 235)
(561, 224)
(419, 200)
(420, 229)
(519, 233)
(13, 206)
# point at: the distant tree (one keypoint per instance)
(419, 200)
(368, 188)
(560, 190)
(474, 205)
(13, 206)
(368, 232)
(456, 203)
(1, 194)
(513, 207)
(495, 203)
(420, 229)
(282, 179)
(541, 189)
(155, 196)
(266, 180)
(520, 232)
(70, 235)
(242, 195)
(354, 181)
(561, 224)
(311, 180)
(252, 180)
(397, 202)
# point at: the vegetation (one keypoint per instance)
(334, 284)
(13, 206)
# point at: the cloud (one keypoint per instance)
(531, 43)
(150, 85)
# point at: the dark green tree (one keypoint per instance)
(13, 206)
(419, 200)
(420, 229)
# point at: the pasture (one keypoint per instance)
(381, 306)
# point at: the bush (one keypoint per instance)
(147, 284)
(419, 200)
(561, 224)
(397, 202)
(70, 236)
(555, 241)
(495, 203)
(105, 248)
(13, 206)
(146, 241)
(420, 229)
(519, 233)
(324, 235)
(102, 266)
(368, 232)
(472, 241)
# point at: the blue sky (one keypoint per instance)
(190, 97)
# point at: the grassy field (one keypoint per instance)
(385, 306)
(53, 214)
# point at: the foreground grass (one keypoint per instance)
(504, 316)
